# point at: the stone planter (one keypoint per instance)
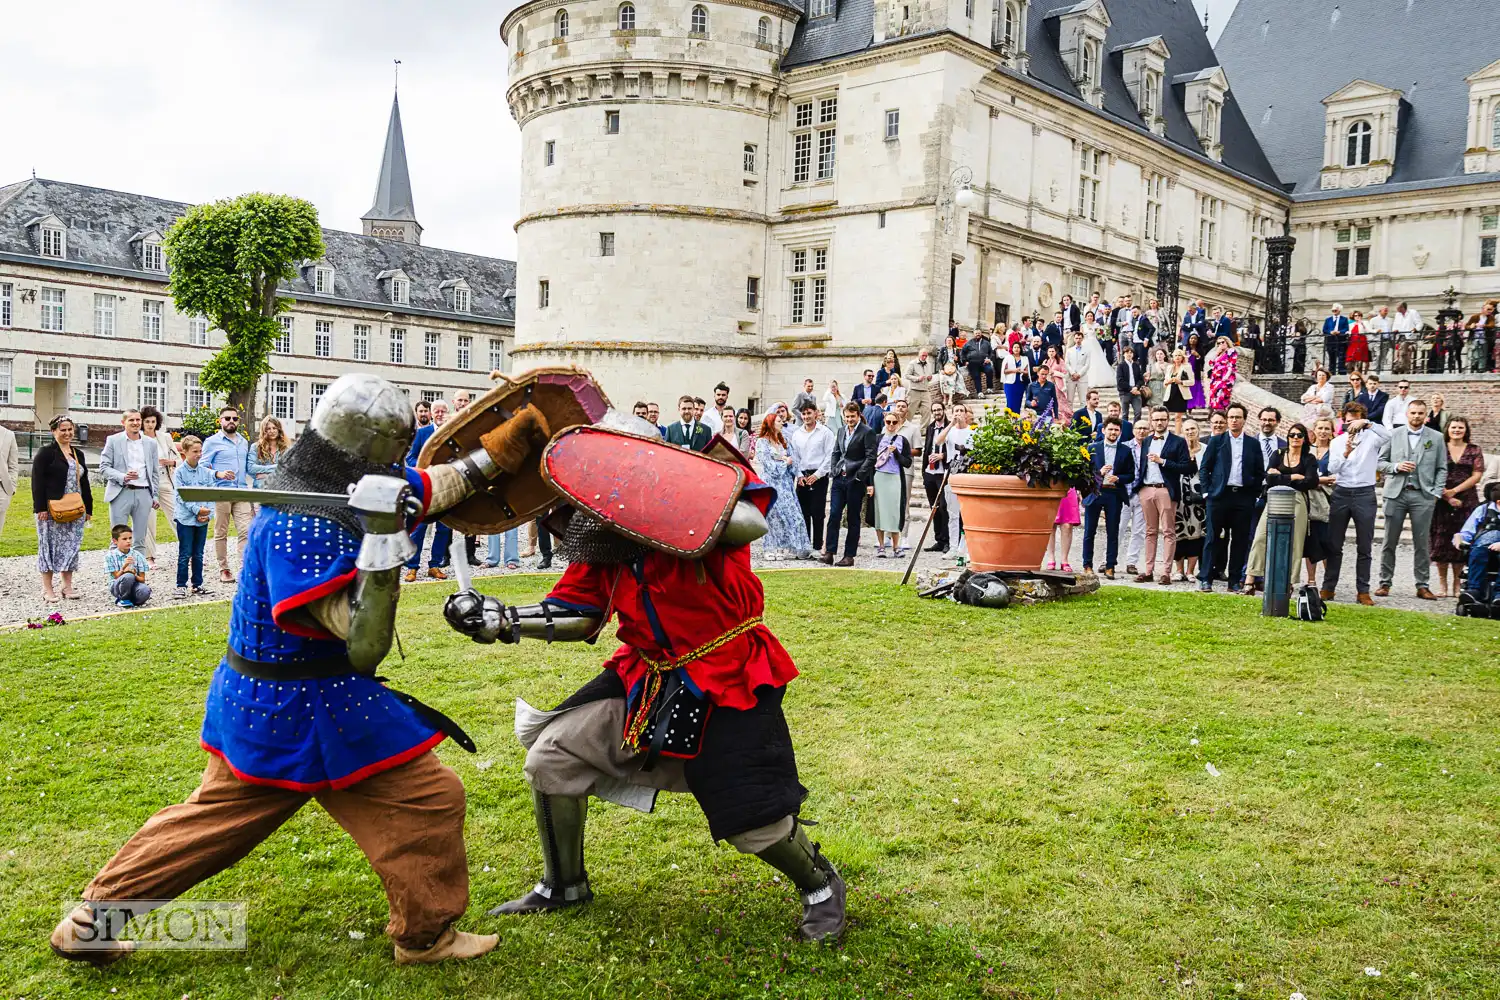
(1006, 522)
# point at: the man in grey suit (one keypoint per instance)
(1415, 463)
(129, 464)
(10, 469)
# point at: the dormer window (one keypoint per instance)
(560, 25)
(54, 242)
(1203, 94)
(1212, 113)
(323, 280)
(1357, 146)
(1081, 29)
(152, 258)
(399, 288)
(820, 8)
(1150, 95)
(456, 290)
(1087, 64)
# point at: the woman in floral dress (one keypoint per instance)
(776, 463)
(1223, 370)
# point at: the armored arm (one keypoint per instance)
(486, 619)
(505, 448)
(381, 502)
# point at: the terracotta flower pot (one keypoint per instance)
(1006, 522)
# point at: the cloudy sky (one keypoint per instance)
(202, 99)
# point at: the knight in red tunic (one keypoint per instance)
(658, 539)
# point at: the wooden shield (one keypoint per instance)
(663, 496)
(566, 397)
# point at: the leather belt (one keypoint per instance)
(338, 666)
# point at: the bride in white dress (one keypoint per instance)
(1101, 373)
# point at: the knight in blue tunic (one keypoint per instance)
(294, 709)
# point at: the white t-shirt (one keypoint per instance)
(957, 438)
(712, 420)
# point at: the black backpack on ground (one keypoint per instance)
(1310, 605)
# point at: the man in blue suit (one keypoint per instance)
(1336, 339)
(1165, 459)
(1232, 473)
(1195, 320)
(1088, 419)
(1114, 468)
(688, 432)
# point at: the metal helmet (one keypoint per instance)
(365, 416)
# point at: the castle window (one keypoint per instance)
(431, 340)
(398, 346)
(151, 388)
(52, 242)
(749, 158)
(1357, 151)
(821, 8)
(763, 33)
(807, 286)
(698, 21)
(1150, 95)
(1156, 194)
(497, 354)
(606, 244)
(151, 319)
(611, 123)
(400, 291)
(198, 331)
(549, 153)
(828, 112)
(283, 342)
(543, 294)
(1008, 33)
(460, 299)
(465, 355)
(1495, 131)
(284, 399)
(1351, 251)
(560, 25)
(1208, 226)
(627, 17)
(361, 342)
(323, 280)
(1489, 236)
(752, 293)
(1088, 65)
(1090, 162)
(53, 309)
(1211, 114)
(323, 338)
(104, 314)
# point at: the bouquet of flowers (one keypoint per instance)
(1038, 451)
(55, 618)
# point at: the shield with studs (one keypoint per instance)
(669, 498)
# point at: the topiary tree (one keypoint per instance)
(227, 259)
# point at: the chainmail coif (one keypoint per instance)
(314, 465)
(586, 540)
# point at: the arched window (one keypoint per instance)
(1357, 153)
(627, 17)
(1012, 19)
(561, 28)
(1086, 63)
(763, 32)
(1495, 131)
(699, 20)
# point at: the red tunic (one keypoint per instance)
(668, 612)
(1359, 345)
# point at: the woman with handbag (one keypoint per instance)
(63, 504)
(1315, 546)
(1295, 466)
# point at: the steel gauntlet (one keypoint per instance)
(487, 619)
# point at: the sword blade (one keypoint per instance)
(458, 558)
(233, 494)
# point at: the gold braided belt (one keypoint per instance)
(640, 718)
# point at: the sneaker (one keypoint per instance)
(410, 576)
(124, 603)
(179, 594)
(436, 573)
(880, 552)
(201, 592)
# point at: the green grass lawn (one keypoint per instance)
(18, 534)
(1020, 801)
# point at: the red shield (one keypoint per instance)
(672, 499)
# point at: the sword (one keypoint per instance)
(239, 494)
(458, 558)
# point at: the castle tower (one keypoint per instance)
(392, 216)
(646, 138)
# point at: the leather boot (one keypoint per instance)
(450, 945)
(559, 822)
(83, 937)
(819, 882)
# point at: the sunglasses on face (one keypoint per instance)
(1294, 437)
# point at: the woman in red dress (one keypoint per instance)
(1357, 354)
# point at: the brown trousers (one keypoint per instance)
(409, 821)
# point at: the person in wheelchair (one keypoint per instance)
(1481, 534)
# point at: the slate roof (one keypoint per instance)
(393, 199)
(851, 30)
(100, 224)
(1285, 56)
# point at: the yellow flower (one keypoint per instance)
(1084, 452)
(1026, 439)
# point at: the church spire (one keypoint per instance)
(393, 215)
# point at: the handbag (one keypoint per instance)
(1317, 505)
(67, 510)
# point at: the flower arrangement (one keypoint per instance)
(55, 618)
(1038, 451)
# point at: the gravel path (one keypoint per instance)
(20, 587)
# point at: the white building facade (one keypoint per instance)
(87, 327)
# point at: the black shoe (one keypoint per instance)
(546, 563)
(937, 548)
(823, 910)
(543, 898)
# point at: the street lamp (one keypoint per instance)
(959, 194)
